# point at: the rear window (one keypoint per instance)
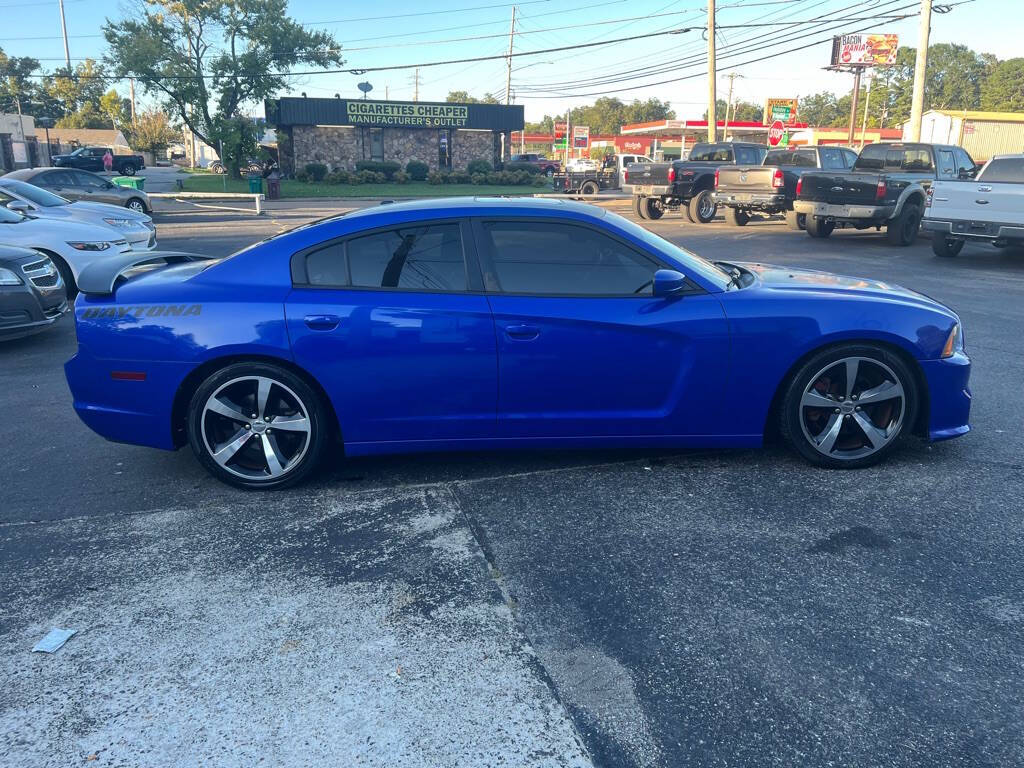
(1007, 170)
(711, 153)
(749, 155)
(872, 158)
(917, 160)
(801, 158)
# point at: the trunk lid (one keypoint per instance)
(840, 188)
(755, 178)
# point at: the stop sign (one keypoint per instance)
(776, 132)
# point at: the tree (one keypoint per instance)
(16, 85)
(546, 125)
(77, 94)
(608, 114)
(116, 110)
(463, 97)
(1003, 89)
(741, 112)
(819, 109)
(208, 58)
(153, 132)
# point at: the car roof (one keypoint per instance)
(24, 174)
(440, 206)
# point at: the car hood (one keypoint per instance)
(781, 278)
(106, 209)
(44, 230)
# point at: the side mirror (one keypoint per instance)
(668, 282)
(19, 205)
(967, 173)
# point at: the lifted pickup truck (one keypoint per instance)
(887, 187)
(91, 159)
(687, 184)
(770, 188)
(989, 210)
(590, 181)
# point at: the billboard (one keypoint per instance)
(580, 136)
(779, 109)
(864, 50)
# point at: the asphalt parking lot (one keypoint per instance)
(525, 609)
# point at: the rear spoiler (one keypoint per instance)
(100, 277)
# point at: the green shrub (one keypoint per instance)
(302, 176)
(435, 177)
(540, 181)
(339, 176)
(522, 177)
(417, 170)
(493, 177)
(400, 177)
(316, 171)
(386, 167)
(460, 177)
(528, 167)
(367, 176)
(355, 178)
(479, 166)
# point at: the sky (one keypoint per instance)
(403, 32)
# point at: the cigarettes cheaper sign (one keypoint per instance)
(864, 50)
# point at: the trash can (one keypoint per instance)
(274, 186)
(133, 182)
(255, 184)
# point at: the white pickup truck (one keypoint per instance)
(989, 209)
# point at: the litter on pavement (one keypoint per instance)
(54, 639)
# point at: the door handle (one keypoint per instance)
(981, 202)
(322, 322)
(522, 332)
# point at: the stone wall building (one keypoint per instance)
(342, 132)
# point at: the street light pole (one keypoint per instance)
(64, 34)
(920, 69)
(712, 96)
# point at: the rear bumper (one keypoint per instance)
(843, 212)
(648, 190)
(757, 201)
(949, 396)
(974, 230)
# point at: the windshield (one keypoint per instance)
(33, 193)
(690, 261)
(9, 217)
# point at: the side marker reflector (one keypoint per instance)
(128, 375)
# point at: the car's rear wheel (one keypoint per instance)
(590, 188)
(736, 217)
(640, 207)
(702, 207)
(818, 227)
(946, 246)
(849, 406)
(257, 426)
(135, 204)
(652, 208)
(902, 230)
(796, 221)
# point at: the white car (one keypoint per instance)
(989, 209)
(70, 244)
(137, 228)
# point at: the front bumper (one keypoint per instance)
(843, 212)
(949, 396)
(976, 230)
(23, 312)
(754, 200)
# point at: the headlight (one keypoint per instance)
(84, 246)
(7, 277)
(119, 223)
(954, 342)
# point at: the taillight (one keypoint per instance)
(777, 180)
(928, 197)
(716, 178)
(799, 186)
(671, 175)
(880, 190)
(625, 176)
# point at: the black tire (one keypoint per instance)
(946, 246)
(796, 221)
(736, 217)
(902, 231)
(640, 207)
(590, 188)
(128, 169)
(818, 227)
(70, 286)
(136, 204)
(217, 167)
(549, 172)
(289, 395)
(652, 208)
(800, 422)
(702, 208)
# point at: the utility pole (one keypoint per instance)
(508, 82)
(854, 100)
(725, 130)
(867, 106)
(416, 85)
(712, 96)
(920, 68)
(64, 34)
(131, 90)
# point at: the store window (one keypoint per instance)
(444, 148)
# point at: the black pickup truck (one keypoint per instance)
(887, 187)
(771, 187)
(687, 184)
(91, 159)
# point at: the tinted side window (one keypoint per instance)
(872, 158)
(417, 258)
(850, 157)
(1007, 170)
(917, 160)
(550, 258)
(963, 160)
(88, 180)
(55, 179)
(832, 159)
(709, 152)
(947, 165)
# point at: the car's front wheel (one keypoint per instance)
(849, 406)
(135, 204)
(902, 230)
(128, 169)
(736, 217)
(796, 221)
(257, 426)
(653, 208)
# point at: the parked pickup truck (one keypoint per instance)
(546, 165)
(887, 187)
(610, 174)
(91, 159)
(770, 188)
(988, 210)
(687, 184)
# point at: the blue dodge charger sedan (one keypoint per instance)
(501, 323)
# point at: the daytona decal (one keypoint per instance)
(154, 310)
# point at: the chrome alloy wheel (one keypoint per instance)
(852, 408)
(706, 207)
(255, 427)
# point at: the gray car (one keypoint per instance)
(83, 185)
